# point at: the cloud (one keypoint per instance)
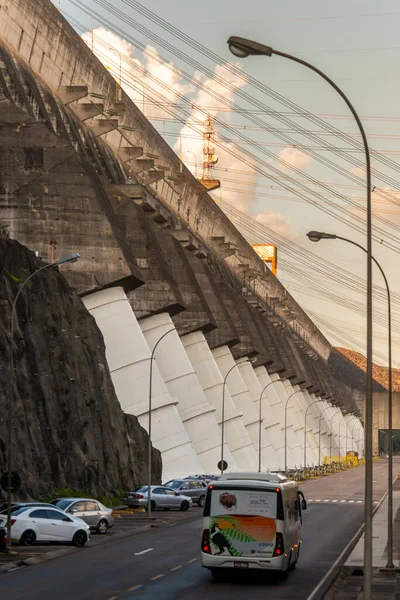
(294, 157)
(359, 171)
(150, 82)
(147, 80)
(276, 222)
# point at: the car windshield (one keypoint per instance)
(61, 504)
(174, 483)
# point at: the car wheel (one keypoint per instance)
(201, 500)
(28, 538)
(102, 527)
(184, 506)
(165, 508)
(80, 538)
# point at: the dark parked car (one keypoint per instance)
(194, 488)
(3, 538)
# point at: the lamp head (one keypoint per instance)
(70, 258)
(316, 236)
(241, 47)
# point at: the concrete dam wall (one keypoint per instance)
(165, 274)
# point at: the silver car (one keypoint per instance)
(161, 497)
(93, 512)
(194, 488)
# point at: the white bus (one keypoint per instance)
(252, 521)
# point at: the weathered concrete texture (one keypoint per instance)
(71, 429)
(225, 332)
(51, 191)
(161, 293)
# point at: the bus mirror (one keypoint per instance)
(303, 501)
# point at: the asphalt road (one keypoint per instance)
(164, 563)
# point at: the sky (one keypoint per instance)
(264, 174)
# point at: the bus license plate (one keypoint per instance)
(241, 565)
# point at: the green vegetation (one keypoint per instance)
(70, 492)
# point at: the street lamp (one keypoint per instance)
(223, 411)
(242, 48)
(347, 436)
(316, 236)
(352, 432)
(319, 436)
(305, 430)
(149, 461)
(66, 259)
(286, 405)
(259, 425)
(331, 434)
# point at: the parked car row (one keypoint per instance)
(63, 520)
(175, 493)
(72, 519)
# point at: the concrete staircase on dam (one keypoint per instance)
(158, 258)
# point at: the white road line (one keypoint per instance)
(342, 501)
(351, 501)
(135, 587)
(326, 500)
(143, 551)
(318, 501)
(157, 576)
(359, 501)
(192, 560)
(176, 568)
(334, 501)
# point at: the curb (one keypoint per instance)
(336, 569)
(53, 554)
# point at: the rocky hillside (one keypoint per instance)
(68, 427)
(351, 367)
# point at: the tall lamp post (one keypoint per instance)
(316, 236)
(305, 430)
(223, 412)
(242, 48)
(331, 434)
(286, 405)
(70, 258)
(319, 437)
(259, 425)
(149, 461)
(352, 433)
(347, 436)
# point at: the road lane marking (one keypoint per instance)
(334, 500)
(176, 568)
(143, 551)
(351, 501)
(192, 560)
(318, 501)
(113, 598)
(158, 576)
(135, 587)
(326, 500)
(359, 501)
(342, 501)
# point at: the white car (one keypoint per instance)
(35, 524)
